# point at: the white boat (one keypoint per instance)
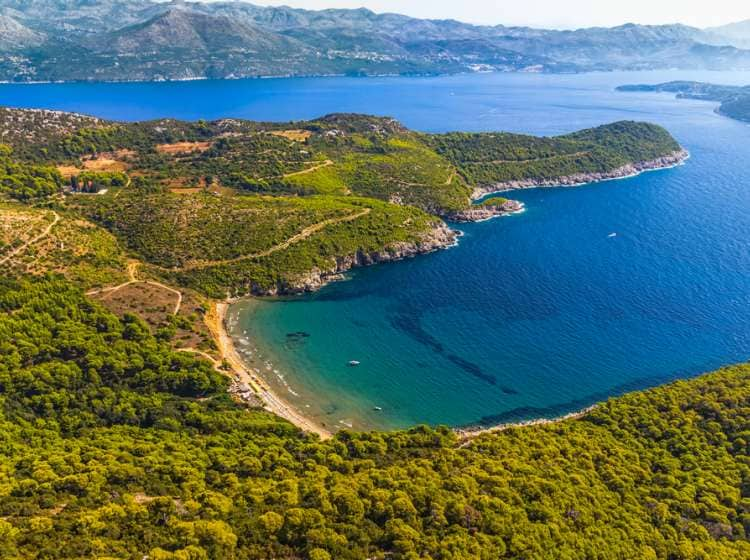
(611, 235)
(354, 363)
(377, 409)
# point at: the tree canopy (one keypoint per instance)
(116, 446)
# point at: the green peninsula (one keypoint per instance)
(235, 207)
(734, 101)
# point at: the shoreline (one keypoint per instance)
(670, 161)
(293, 75)
(247, 383)
(439, 237)
(466, 435)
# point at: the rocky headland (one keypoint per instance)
(440, 236)
(482, 212)
(630, 170)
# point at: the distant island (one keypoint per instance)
(734, 101)
(147, 40)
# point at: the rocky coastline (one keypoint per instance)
(467, 434)
(578, 179)
(482, 212)
(440, 236)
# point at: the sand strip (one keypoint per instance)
(216, 321)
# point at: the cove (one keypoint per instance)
(542, 313)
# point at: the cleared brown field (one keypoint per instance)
(104, 164)
(185, 190)
(155, 305)
(296, 135)
(67, 171)
(183, 148)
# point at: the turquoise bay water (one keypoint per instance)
(533, 315)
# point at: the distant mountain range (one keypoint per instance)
(49, 40)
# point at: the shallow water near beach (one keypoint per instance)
(534, 315)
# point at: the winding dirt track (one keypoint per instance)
(326, 163)
(132, 273)
(22, 248)
(214, 361)
(304, 234)
(123, 188)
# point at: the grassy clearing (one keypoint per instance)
(80, 251)
(20, 224)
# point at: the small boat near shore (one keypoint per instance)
(354, 363)
(377, 408)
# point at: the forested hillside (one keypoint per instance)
(116, 446)
(259, 245)
(498, 158)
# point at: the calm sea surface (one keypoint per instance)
(533, 315)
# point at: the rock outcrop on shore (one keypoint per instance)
(481, 212)
(439, 237)
(629, 170)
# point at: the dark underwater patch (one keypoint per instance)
(296, 339)
(523, 413)
(411, 327)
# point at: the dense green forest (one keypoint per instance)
(495, 158)
(114, 446)
(24, 181)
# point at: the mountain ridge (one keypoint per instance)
(120, 40)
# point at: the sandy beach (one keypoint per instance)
(216, 321)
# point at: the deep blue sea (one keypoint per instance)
(533, 315)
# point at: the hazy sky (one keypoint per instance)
(550, 13)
